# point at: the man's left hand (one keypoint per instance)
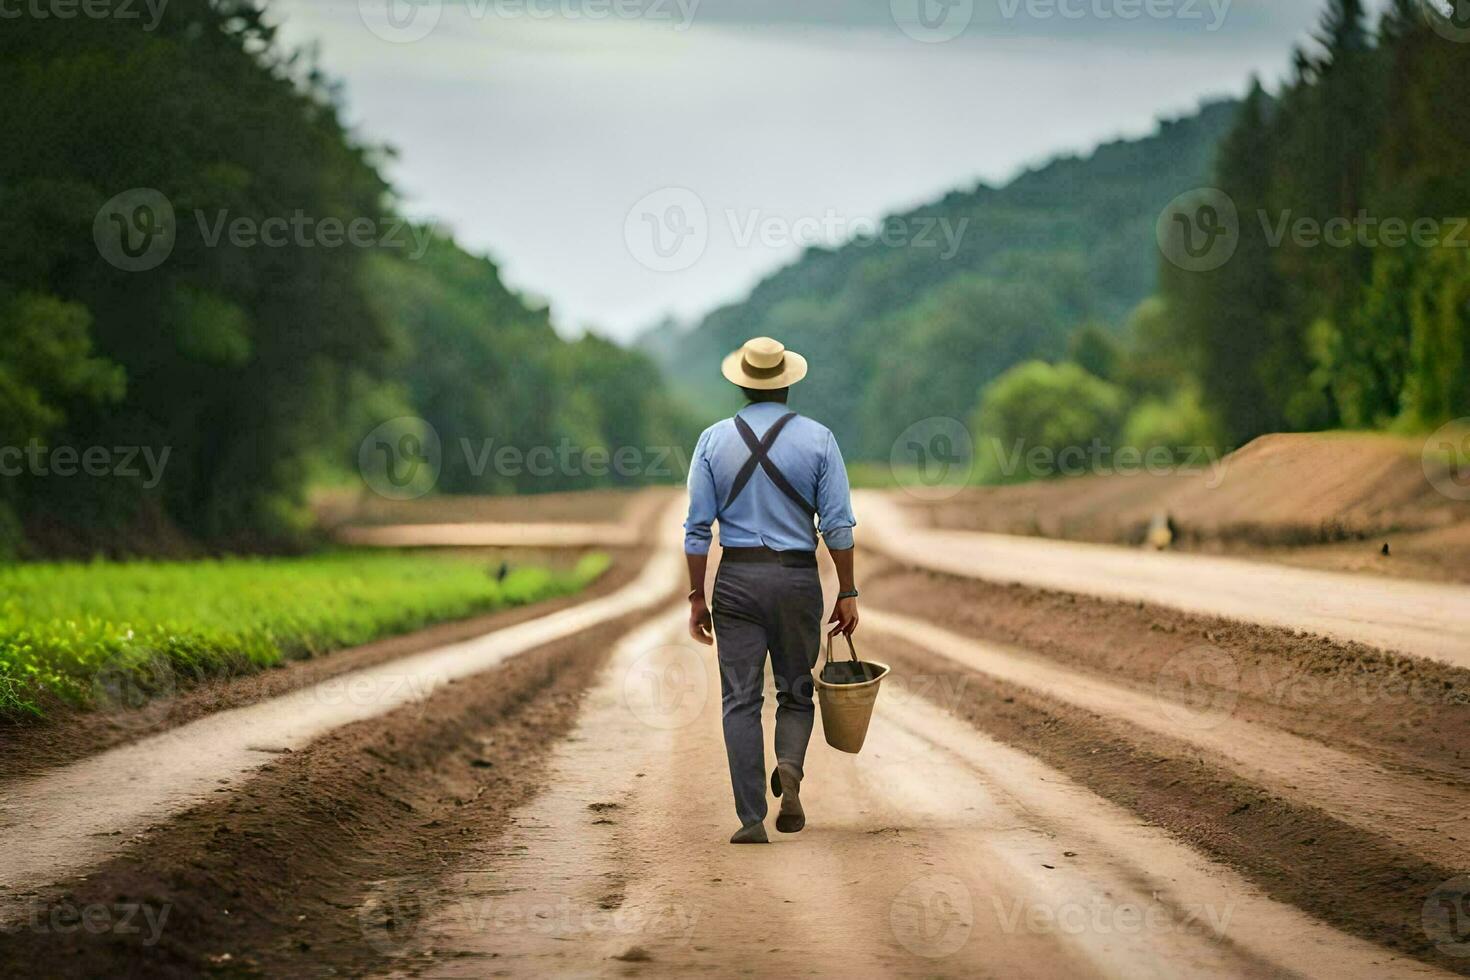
(845, 616)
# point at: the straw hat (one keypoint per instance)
(764, 364)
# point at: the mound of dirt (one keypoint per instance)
(1279, 490)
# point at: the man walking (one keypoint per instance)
(772, 479)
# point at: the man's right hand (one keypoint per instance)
(701, 625)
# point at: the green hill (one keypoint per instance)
(897, 334)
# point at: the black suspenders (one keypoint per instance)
(758, 450)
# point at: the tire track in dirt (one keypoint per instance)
(1422, 815)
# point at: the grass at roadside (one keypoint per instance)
(109, 634)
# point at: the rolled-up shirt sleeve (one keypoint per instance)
(834, 500)
(703, 506)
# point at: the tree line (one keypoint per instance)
(1320, 279)
(269, 341)
(1346, 302)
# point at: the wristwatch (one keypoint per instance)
(850, 594)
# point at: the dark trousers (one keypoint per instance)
(760, 608)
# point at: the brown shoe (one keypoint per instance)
(754, 833)
(786, 784)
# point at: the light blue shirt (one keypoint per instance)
(805, 452)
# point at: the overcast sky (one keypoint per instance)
(534, 127)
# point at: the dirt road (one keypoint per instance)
(1037, 806)
(1420, 618)
(938, 852)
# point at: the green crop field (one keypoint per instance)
(89, 634)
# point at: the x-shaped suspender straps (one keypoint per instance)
(758, 457)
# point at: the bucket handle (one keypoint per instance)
(852, 649)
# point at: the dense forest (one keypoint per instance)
(1059, 322)
(199, 260)
(1347, 300)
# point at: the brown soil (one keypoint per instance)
(1438, 555)
(274, 878)
(1407, 712)
(1364, 883)
(67, 734)
(1278, 492)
